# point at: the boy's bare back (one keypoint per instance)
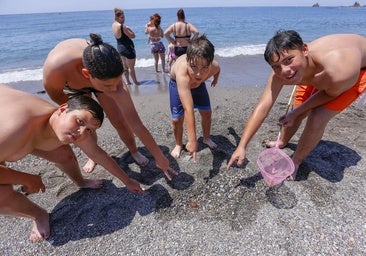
(63, 66)
(22, 115)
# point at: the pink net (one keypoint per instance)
(275, 166)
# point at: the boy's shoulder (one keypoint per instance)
(180, 65)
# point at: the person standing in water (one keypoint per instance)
(182, 33)
(125, 45)
(157, 47)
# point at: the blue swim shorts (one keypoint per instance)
(201, 99)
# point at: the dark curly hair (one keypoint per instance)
(282, 40)
(101, 59)
(82, 102)
(201, 47)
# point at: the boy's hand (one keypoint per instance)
(213, 83)
(237, 157)
(134, 187)
(169, 171)
(35, 185)
(192, 149)
(163, 164)
(288, 119)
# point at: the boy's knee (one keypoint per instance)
(176, 121)
(6, 194)
(118, 123)
(317, 119)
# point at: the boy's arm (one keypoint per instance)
(185, 95)
(31, 183)
(130, 115)
(216, 73)
(269, 96)
(317, 99)
(341, 71)
(98, 155)
(336, 82)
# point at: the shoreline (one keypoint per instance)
(236, 72)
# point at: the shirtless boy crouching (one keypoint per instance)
(43, 130)
(329, 73)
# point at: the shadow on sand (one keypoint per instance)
(90, 213)
(149, 174)
(329, 159)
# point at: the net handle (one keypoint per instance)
(287, 109)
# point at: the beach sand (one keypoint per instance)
(207, 210)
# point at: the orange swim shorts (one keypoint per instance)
(303, 92)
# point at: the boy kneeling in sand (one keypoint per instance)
(31, 125)
(187, 90)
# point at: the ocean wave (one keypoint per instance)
(241, 50)
(19, 75)
(145, 63)
(35, 74)
(224, 52)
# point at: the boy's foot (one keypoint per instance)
(41, 228)
(89, 166)
(176, 151)
(140, 158)
(272, 144)
(210, 143)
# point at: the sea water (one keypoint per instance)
(241, 31)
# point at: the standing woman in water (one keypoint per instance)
(156, 33)
(182, 32)
(125, 45)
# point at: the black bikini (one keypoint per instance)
(180, 50)
(188, 35)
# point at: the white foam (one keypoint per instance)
(144, 63)
(19, 75)
(241, 50)
(35, 74)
